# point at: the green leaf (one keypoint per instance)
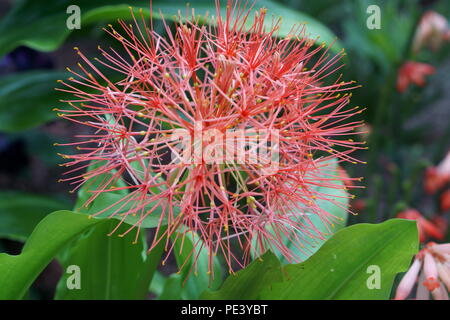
(340, 269)
(112, 201)
(171, 288)
(20, 212)
(41, 27)
(108, 199)
(157, 283)
(27, 99)
(56, 230)
(340, 214)
(112, 267)
(247, 284)
(86, 190)
(314, 28)
(194, 280)
(44, 27)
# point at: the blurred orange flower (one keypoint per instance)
(445, 200)
(413, 72)
(427, 229)
(437, 177)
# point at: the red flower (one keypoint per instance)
(212, 80)
(413, 72)
(445, 200)
(426, 228)
(441, 223)
(359, 205)
(437, 177)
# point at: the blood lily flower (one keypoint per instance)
(235, 75)
(445, 200)
(437, 177)
(432, 31)
(431, 271)
(413, 72)
(426, 228)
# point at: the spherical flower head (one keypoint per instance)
(164, 131)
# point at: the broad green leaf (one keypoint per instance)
(157, 283)
(27, 99)
(44, 27)
(247, 284)
(194, 280)
(339, 213)
(171, 288)
(314, 28)
(112, 267)
(20, 212)
(343, 268)
(56, 230)
(86, 190)
(112, 201)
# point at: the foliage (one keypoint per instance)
(339, 270)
